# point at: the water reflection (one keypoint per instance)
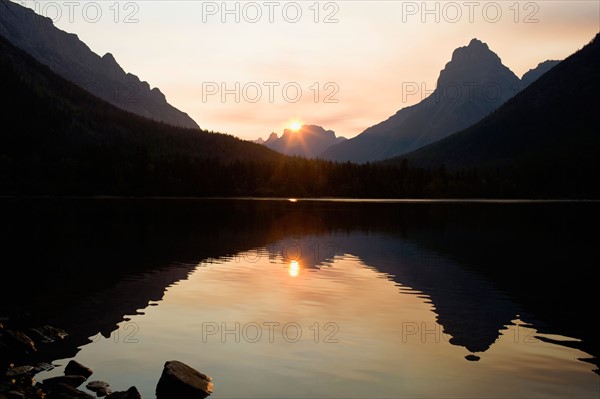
(294, 268)
(413, 291)
(470, 309)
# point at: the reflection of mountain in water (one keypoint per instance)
(479, 246)
(469, 307)
(101, 311)
(86, 264)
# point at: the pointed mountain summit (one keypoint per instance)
(475, 63)
(547, 133)
(271, 139)
(308, 142)
(71, 58)
(472, 85)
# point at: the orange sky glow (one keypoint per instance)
(251, 68)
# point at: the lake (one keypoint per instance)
(315, 299)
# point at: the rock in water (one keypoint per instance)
(100, 387)
(180, 381)
(72, 380)
(39, 367)
(131, 393)
(472, 358)
(76, 368)
(64, 391)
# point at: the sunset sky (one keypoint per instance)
(360, 59)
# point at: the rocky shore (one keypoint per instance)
(17, 375)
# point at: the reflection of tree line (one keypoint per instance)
(78, 253)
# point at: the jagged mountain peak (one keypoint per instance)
(472, 85)
(309, 141)
(109, 58)
(472, 63)
(475, 51)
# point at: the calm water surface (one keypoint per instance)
(324, 300)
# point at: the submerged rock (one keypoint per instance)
(131, 393)
(179, 380)
(39, 367)
(76, 368)
(64, 391)
(72, 380)
(100, 387)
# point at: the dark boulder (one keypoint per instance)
(64, 391)
(179, 380)
(131, 393)
(76, 368)
(101, 388)
(72, 380)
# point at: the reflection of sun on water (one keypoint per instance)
(294, 268)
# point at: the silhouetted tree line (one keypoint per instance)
(111, 171)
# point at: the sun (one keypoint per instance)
(295, 126)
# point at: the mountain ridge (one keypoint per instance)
(548, 130)
(535, 73)
(472, 85)
(64, 140)
(71, 58)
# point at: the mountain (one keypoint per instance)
(308, 142)
(69, 57)
(59, 139)
(472, 84)
(534, 74)
(547, 132)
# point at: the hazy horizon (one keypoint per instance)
(362, 61)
